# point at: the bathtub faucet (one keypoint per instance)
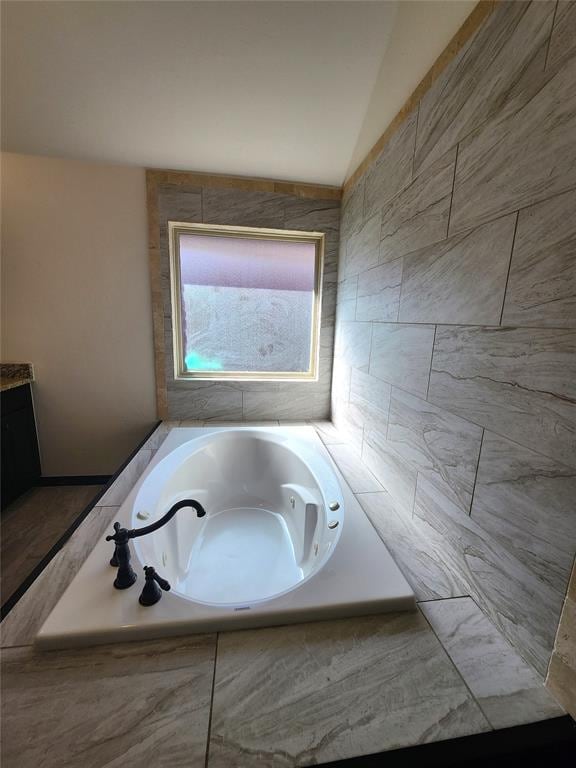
(126, 575)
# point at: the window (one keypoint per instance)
(245, 302)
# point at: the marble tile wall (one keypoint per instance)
(455, 360)
(237, 401)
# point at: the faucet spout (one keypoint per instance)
(136, 532)
(126, 575)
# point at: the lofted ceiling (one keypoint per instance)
(289, 90)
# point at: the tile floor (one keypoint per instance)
(32, 524)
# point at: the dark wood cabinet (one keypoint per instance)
(20, 457)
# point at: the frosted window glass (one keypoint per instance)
(247, 305)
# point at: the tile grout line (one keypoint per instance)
(431, 361)
(508, 641)
(452, 193)
(370, 350)
(476, 473)
(208, 735)
(509, 267)
(389, 411)
(440, 599)
(482, 426)
(505, 213)
(401, 259)
(415, 137)
(550, 36)
(453, 663)
(415, 494)
(464, 325)
(483, 122)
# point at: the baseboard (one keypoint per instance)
(74, 480)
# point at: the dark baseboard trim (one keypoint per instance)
(31, 578)
(73, 480)
(550, 742)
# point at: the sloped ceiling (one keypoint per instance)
(290, 90)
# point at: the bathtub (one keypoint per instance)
(284, 540)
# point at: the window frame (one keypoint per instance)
(178, 228)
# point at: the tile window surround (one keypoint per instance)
(200, 198)
(455, 351)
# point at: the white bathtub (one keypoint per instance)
(284, 540)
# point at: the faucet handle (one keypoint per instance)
(153, 584)
(120, 535)
(120, 540)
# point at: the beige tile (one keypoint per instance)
(440, 446)
(312, 693)
(390, 469)
(517, 382)
(353, 208)
(205, 401)
(124, 483)
(391, 172)
(287, 401)
(526, 502)
(127, 704)
(524, 155)
(362, 248)
(497, 64)
(401, 355)
(563, 39)
(353, 344)
(349, 421)
(507, 690)
(370, 397)
(327, 432)
(501, 579)
(243, 207)
(460, 280)
(379, 292)
(541, 287)
(419, 564)
(418, 216)
(356, 474)
(562, 682)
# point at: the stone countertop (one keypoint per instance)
(15, 375)
(283, 696)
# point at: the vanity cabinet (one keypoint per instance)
(20, 456)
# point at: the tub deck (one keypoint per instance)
(282, 696)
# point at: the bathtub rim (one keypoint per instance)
(316, 460)
(91, 612)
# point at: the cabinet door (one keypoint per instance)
(20, 459)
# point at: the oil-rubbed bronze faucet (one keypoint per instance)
(152, 585)
(126, 575)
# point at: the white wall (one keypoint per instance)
(422, 29)
(76, 303)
